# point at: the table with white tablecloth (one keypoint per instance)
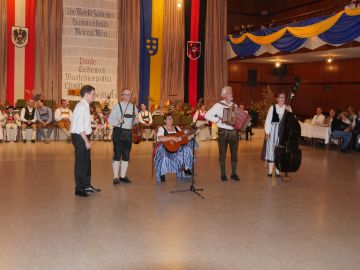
(318, 132)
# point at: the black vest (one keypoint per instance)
(29, 115)
(166, 132)
(275, 116)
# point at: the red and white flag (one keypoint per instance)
(21, 50)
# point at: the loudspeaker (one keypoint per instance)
(280, 71)
(252, 77)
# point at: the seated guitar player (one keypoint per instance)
(171, 162)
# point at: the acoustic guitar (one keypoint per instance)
(172, 146)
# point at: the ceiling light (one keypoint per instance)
(329, 59)
(277, 64)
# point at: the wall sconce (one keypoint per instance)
(277, 64)
(179, 4)
(329, 59)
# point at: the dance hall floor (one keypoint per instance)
(312, 222)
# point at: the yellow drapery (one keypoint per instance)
(300, 32)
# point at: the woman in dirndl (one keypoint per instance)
(200, 121)
(273, 118)
(166, 162)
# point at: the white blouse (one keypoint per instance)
(280, 111)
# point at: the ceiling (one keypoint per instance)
(342, 53)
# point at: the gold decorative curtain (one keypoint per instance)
(3, 49)
(48, 31)
(129, 45)
(215, 50)
(172, 80)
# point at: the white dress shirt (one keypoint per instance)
(280, 111)
(318, 120)
(216, 113)
(62, 113)
(144, 114)
(81, 118)
(22, 115)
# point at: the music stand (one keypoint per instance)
(192, 187)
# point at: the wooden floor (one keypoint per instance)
(312, 222)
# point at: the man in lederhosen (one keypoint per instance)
(122, 117)
(227, 135)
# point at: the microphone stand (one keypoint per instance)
(192, 187)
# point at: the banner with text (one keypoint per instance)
(90, 48)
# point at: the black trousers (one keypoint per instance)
(122, 141)
(228, 138)
(82, 168)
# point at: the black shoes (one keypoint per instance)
(188, 172)
(81, 193)
(92, 189)
(162, 178)
(269, 175)
(125, 180)
(224, 178)
(117, 181)
(32, 141)
(235, 177)
(24, 141)
(277, 175)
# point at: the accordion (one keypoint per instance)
(239, 120)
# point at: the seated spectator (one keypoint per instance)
(12, 121)
(63, 118)
(356, 132)
(28, 120)
(345, 118)
(200, 121)
(145, 119)
(340, 130)
(319, 118)
(329, 119)
(44, 117)
(97, 122)
(352, 116)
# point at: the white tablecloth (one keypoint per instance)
(312, 131)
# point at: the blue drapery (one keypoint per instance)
(346, 29)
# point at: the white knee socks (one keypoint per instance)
(116, 167)
(270, 165)
(124, 166)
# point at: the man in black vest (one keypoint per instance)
(28, 120)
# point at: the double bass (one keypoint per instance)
(288, 154)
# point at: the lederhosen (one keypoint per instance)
(228, 137)
(274, 136)
(122, 139)
(29, 116)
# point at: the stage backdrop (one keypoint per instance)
(90, 47)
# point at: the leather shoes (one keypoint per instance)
(269, 175)
(125, 180)
(224, 178)
(162, 178)
(235, 177)
(277, 175)
(188, 172)
(92, 189)
(32, 141)
(116, 181)
(81, 193)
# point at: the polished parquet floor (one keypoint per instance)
(312, 222)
